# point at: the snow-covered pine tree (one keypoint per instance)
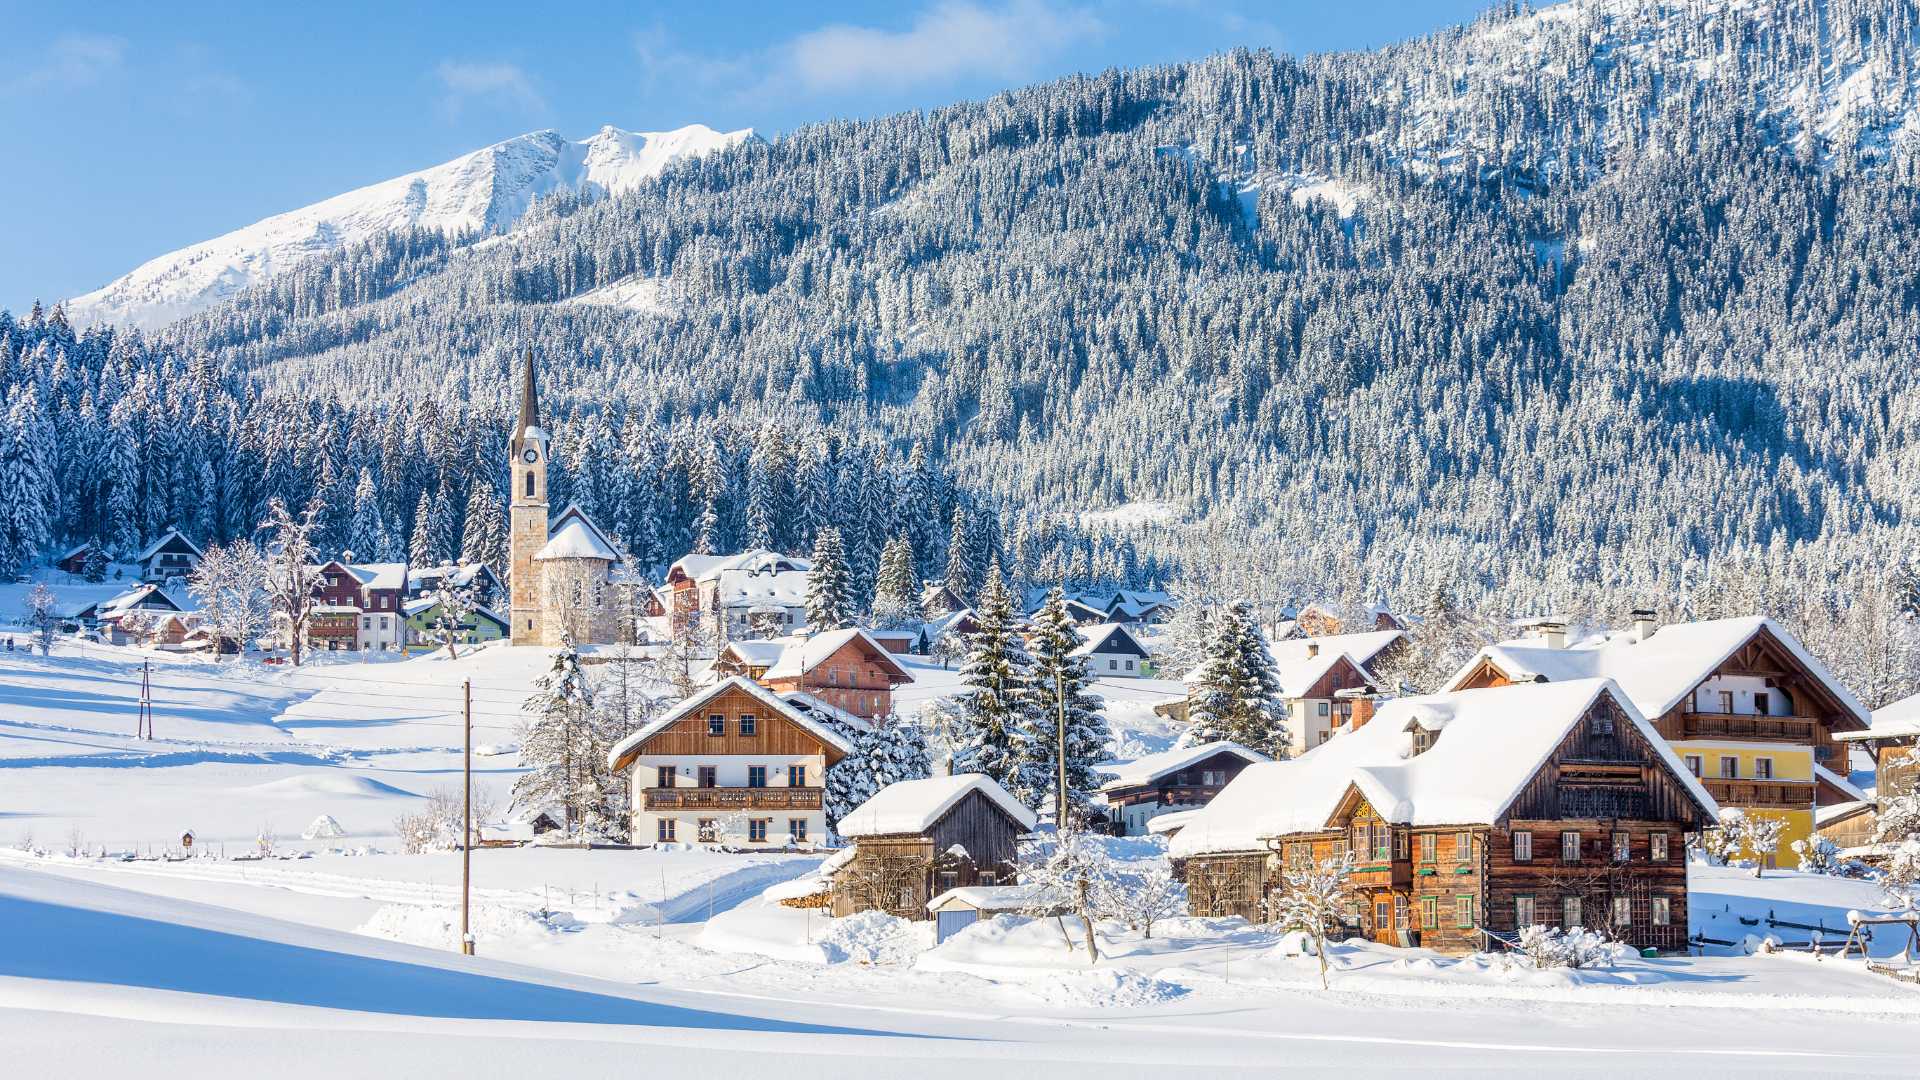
(887, 752)
(998, 696)
(366, 532)
(26, 516)
(829, 586)
(959, 576)
(443, 525)
(1060, 687)
(556, 742)
(1237, 697)
(896, 602)
(420, 541)
(484, 539)
(767, 502)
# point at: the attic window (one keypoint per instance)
(1423, 740)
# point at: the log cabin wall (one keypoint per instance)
(774, 735)
(986, 831)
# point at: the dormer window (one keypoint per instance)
(1423, 740)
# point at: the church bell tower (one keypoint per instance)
(527, 511)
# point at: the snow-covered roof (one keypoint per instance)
(1824, 816)
(1145, 770)
(774, 590)
(807, 653)
(708, 567)
(993, 898)
(380, 575)
(1293, 652)
(1898, 720)
(1095, 639)
(575, 536)
(135, 597)
(1840, 783)
(911, 807)
(1297, 677)
(760, 654)
(693, 703)
(458, 574)
(1492, 742)
(154, 548)
(1657, 673)
(1168, 824)
(807, 703)
(938, 626)
(71, 552)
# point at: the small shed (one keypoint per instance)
(75, 560)
(919, 838)
(957, 909)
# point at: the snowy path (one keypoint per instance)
(101, 976)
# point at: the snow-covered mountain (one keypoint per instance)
(484, 191)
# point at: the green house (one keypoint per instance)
(422, 618)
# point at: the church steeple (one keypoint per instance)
(529, 404)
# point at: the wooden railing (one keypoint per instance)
(734, 798)
(1713, 725)
(1773, 794)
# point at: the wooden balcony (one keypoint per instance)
(1382, 874)
(1763, 794)
(733, 798)
(1713, 725)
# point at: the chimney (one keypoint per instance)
(1313, 648)
(1644, 624)
(1362, 711)
(1551, 633)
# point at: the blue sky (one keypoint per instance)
(131, 130)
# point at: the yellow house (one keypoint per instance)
(1741, 701)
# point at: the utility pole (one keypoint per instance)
(144, 723)
(1060, 815)
(466, 828)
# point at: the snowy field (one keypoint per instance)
(339, 951)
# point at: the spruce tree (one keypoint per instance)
(443, 526)
(829, 587)
(997, 700)
(366, 533)
(886, 753)
(484, 540)
(556, 744)
(959, 576)
(420, 542)
(1060, 686)
(895, 600)
(1237, 697)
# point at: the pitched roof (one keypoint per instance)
(1095, 639)
(380, 575)
(1896, 721)
(154, 548)
(1661, 671)
(1297, 677)
(994, 897)
(575, 536)
(760, 654)
(632, 743)
(911, 807)
(736, 587)
(809, 652)
(1492, 743)
(1148, 768)
(115, 606)
(1295, 652)
(707, 567)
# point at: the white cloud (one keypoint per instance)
(496, 84)
(949, 41)
(72, 61)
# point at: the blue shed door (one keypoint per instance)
(948, 923)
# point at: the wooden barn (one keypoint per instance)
(1482, 810)
(917, 839)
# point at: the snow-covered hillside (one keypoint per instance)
(484, 191)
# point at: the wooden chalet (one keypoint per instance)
(847, 669)
(734, 765)
(1894, 741)
(1482, 810)
(1749, 711)
(938, 599)
(171, 556)
(74, 561)
(1184, 778)
(918, 839)
(359, 606)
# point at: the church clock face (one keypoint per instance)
(530, 455)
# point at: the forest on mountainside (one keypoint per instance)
(1579, 309)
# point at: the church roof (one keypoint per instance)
(575, 536)
(529, 404)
